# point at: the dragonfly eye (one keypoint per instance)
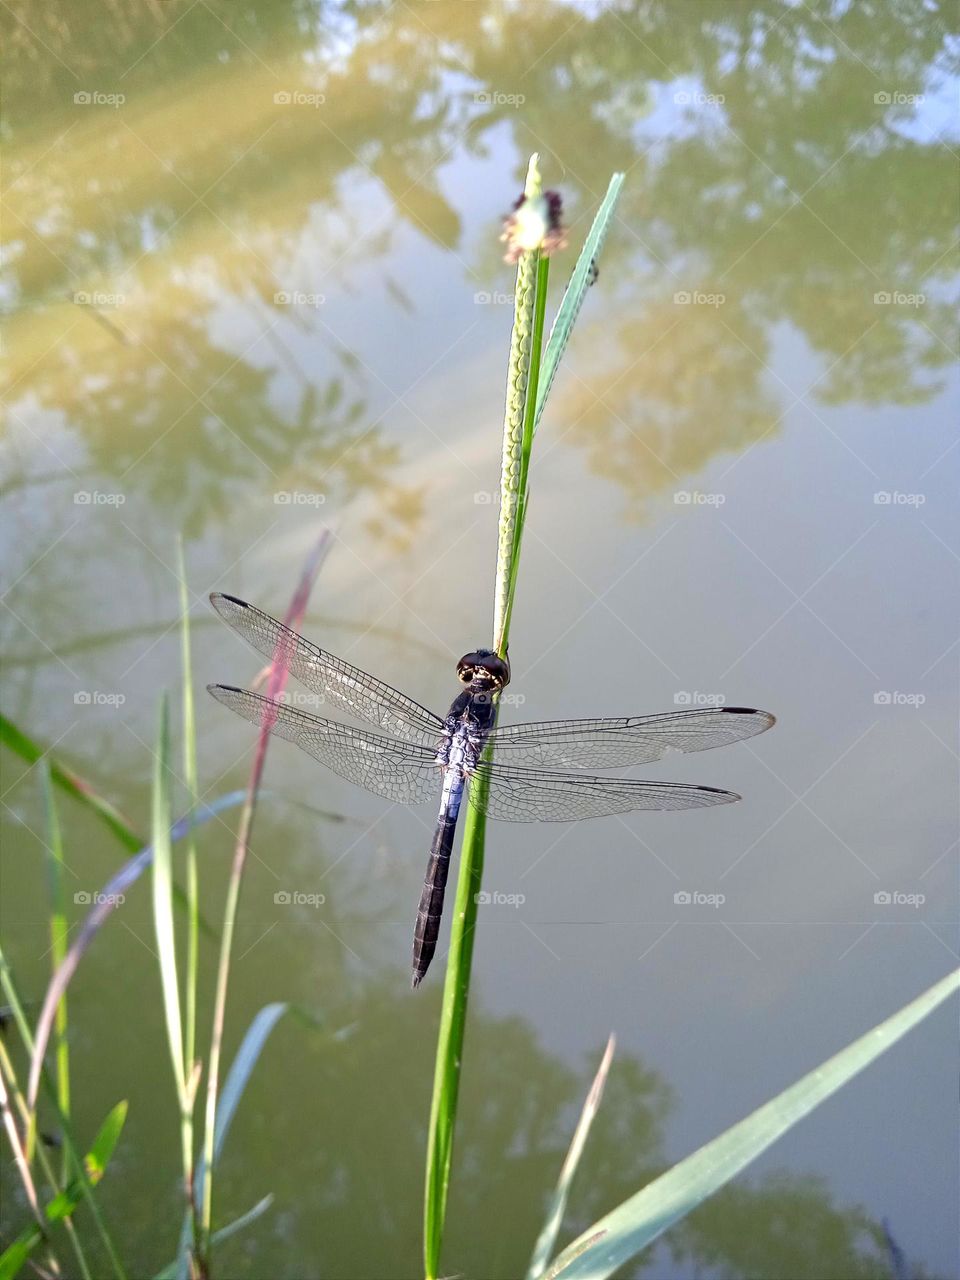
(485, 667)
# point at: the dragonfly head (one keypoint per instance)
(483, 670)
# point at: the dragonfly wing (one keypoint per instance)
(615, 743)
(404, 772)
(539, 795)
(340, 686)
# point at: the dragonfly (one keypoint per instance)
(521, 773)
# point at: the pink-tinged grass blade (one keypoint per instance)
(275, 686)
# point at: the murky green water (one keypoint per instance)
(253, 287)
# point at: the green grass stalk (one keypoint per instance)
(58, 942)
(191, 1068)
(521, 398)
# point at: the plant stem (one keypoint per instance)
(519, 419)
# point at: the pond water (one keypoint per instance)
(254, 289)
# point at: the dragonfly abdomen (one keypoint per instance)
(427, 929)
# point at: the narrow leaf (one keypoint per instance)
(163, 899)
(558, 1204)
(31, 751)
(636, 1223)
(583, 275)
(95, 1163)
(224, 1233)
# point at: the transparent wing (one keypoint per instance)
(404, 772)
(538, 795)
(615, 743)
(341, 687)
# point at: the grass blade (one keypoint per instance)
(250, 1049)
(456, 986)
(191, 1067)
(572, 301)
(636, 1223)
(68, 1201)
(526, 381)
(31, 751)
(224, 1233)
(163, 899)
(58, 940)
(190, 777)
(278, 677)
(107, 902)
(548, 1236)
(12, 995)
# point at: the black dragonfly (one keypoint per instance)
(523, 772)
